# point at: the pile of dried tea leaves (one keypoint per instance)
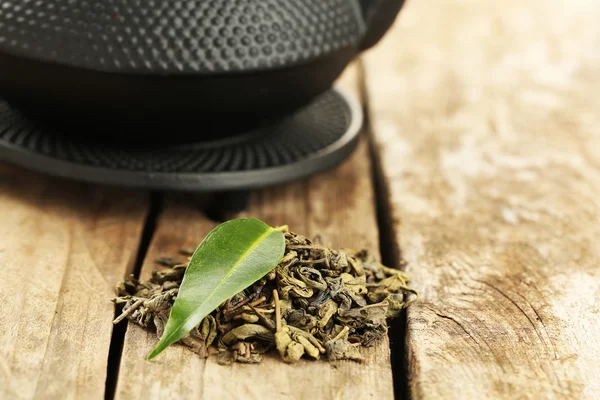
(317, 301)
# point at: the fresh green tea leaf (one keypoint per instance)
(231, 258)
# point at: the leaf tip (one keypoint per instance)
(156, 351)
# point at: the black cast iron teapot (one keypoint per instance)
(128, 59)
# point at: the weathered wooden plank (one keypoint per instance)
(63, 247)
(338, 205)
(486, 118)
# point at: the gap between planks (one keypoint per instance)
(119, 330)
(388, 246)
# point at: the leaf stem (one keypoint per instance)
(342, 333)
(277, 310)
(239, 305)
(304, 247)
(258, 301)
(131, 309)
(266, 321)
(318, 261)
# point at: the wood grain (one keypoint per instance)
(63, 247)
(486, 118)
(338, 205)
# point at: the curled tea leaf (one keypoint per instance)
(201, 337)
(301, 319)
(339, 348)
(312, 278)
(292, 343)
(327, 310)
(289, 350)
(247, 331)
(373, 314)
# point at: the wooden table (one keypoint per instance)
(484, 120)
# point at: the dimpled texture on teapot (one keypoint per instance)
(178, 36)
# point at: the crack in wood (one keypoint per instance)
(119, 330)
(447, 317)
(551, 348)
(531, 321)
(388, 249)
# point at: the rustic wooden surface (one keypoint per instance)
(344, 198)
(487, 121)
(63, 246)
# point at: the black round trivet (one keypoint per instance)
(313, 139)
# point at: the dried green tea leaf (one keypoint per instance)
(299, 333)
(247, 331)
(289, 350)
(175, 273)
(339, 348)
(373, 314)
(327, 310)
(232, 257)
(202, 336)
(244, 353)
